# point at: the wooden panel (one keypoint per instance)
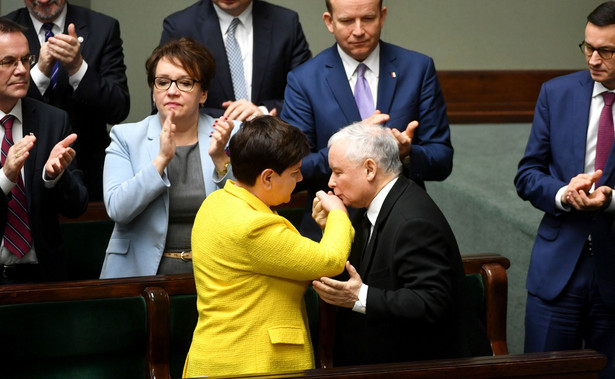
(493, 96)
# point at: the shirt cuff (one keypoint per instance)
(50, 183)
(39, 79)
(76, 78)
(5, 183)
(360, 305)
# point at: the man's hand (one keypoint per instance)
(45, 60)
(377, 118)
(66, 49)
(60, 157)
(343, 294)
(16, 157)
(577, 194)
(241, 110)
(404, 139)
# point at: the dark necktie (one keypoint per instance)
(235, 62)
(366, 227)
(17, 234)
(54, 71)
(363, 94)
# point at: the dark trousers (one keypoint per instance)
(576, 319)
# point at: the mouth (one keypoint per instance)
(172, 105)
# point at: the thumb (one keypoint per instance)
(273, 112)
(71, 30)
(69, 140)
(351, 270)
(596, 175)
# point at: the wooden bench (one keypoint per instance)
(142, 327)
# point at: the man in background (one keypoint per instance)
(363, 78)
(255, 45)
(37, 177)
(81, 70)
(568, 173)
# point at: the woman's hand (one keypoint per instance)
(219, 140)
(167, 144)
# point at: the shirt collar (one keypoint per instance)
(599, 89)
(373, 210)
(225, 19)
(59, 22)
(350, 64)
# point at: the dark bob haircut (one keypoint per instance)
(266, 142)
(187, 53)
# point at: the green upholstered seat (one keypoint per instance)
(85, 243)
(103, 338)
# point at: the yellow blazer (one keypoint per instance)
(251, 268)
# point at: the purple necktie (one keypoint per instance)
(605, 131)
(362, 93)
(17, 234)
(54, 71)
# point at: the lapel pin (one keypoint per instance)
(393, 75)
(80, 39)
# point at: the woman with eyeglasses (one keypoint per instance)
(158, 171)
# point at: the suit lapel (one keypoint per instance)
(81, 27)
(387, 206)
(338, 84)
(580, 114)
(387, 79)
(262, 42)
(31, 124)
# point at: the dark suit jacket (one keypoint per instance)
(555, 153)
(102, 95)
(68, 197)
(279, 46)
(416, 302)
(319, 100)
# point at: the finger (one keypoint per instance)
(411, 128)
(351, 270)
(273, 112)
(335, 284)
(596, 176)
(71, 30)
(69, 140)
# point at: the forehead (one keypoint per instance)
(166, 65)
(354, 8)
(599, 36)
(13, 45)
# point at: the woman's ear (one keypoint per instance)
(266, 179)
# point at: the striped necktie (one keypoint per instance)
(17, 234)
(235, 62)
(54, 71)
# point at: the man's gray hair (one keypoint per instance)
(365, 141)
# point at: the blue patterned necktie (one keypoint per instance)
(54, 71)
(235, 62)
(17, 235)
(363, 94)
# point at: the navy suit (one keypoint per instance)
(279, 46)
(319, 100)
(68, 197)
(417, 305)
(102, 95)
(555, 153)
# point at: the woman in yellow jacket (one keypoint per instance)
(252, 267)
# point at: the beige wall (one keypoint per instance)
(458, 34)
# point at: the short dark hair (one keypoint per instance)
(603, 15)
(330, 9)
(188, 53)
(266, 142)
(8, 26)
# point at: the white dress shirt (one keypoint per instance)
(372, 73)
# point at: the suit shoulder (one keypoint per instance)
(18, 15)
(568, 80)
(387, 49)
(314, 66)
(97, 18)
(30, 104)
(190, 12)
(277, 10)
(135, 130)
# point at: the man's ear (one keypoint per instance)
(370, 168)
(328, 19)
(266, 178)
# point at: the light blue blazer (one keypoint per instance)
(137, 197)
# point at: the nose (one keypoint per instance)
(595, 58)
(173, 90)
(331, 183)
(20, 68)
(299, 177)
(357, 27)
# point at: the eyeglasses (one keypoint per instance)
(588, 50)
(26, 60)
(184, 84)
